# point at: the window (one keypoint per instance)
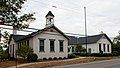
(61, 45)
(27, 42)
(13, 50)
(18, 45)
(22, 43)
(52, 46)
(89, 50)
(69, 49)
(108, 48)
(100, 47)
(104, 47)
(10, 48)
(73, 49)
(41, 45)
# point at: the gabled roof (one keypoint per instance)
(16, 37)
(22, 37)
(90, 39)
(49, 14)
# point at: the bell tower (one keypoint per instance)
(49, 19)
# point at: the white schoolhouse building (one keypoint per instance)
(95, 43)
(47, 43)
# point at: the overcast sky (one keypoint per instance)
(102, 15)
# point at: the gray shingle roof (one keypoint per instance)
(82, 40)
(22, 37)
(16, 37)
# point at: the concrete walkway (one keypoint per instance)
(21, 65)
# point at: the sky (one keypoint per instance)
(102, 15)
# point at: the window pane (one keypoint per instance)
(100, 47)
(89, 50)
(108, 48)
(73, 49)
(69, 49)
(52, 46)
(61, 46)
(27, 42)
(104, 47)
(41, 49)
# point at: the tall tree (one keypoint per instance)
(1, 51)
(6, 36)
(10, 14)
(116, 48)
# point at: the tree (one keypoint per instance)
(10, 14)
(6, 36)
(116, 48)
(24, 51)
(4, 54)
(1, 51)
(80, 49)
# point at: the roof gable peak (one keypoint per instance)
(49, 14)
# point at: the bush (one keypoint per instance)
(4, 55)
(115, 53)
(32, 57)
(44, 58)
(50, 58)
(64, 58)
(55, 58)
(107, 54)
(23, 51)
(60, 58)
(70, 56)
(96, 54)
(101, 55)
(81, 54)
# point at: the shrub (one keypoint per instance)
(44, 58)
(96, 54)
(70, 56)
(80, 54)
(55, 58)
(101, 55)
(32, 57)
(23, 51)
(107, 54)
(4, 55)
(60, 57)
(50, 58)
(115, 53)
(64, 58)
(101, 52)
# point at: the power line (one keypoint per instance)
(18, 30)
(37, 29)
(75, 34)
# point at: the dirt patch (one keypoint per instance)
(5, 64)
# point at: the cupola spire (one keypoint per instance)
(49, 19)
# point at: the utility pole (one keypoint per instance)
(0, 35)
(85, 29)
